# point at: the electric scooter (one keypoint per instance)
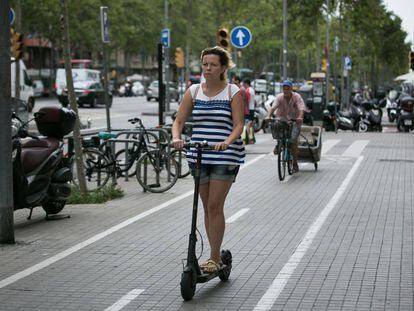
(192, 273)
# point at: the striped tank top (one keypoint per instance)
(213, 122)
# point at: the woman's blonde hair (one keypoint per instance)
(224, 56)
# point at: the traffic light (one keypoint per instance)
(223, 38)
(16, 44)
(324, 65)
(179, 58)
(412, 60)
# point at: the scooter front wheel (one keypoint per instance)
(188, 284)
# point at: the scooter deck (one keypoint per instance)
(205, 277)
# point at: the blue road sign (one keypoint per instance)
(104, 24)
(347, 63)
(165, 37)
(240, 37)
(12, 16)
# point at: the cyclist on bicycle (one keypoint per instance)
(290, 106)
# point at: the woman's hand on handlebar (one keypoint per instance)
(221, 146)
(178, 143)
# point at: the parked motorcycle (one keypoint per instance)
(41, 176)
(344, 120)
(392, 105)
(329, 116)
(371, 119)
(405, 117)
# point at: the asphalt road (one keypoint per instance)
(123, 108)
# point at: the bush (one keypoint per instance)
(95, 197)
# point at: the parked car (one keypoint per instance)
(87, 93)
(26, 85)
(152, 91)
(138, 89)
(38, 88)
(78, 74)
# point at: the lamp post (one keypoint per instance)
(284, 39)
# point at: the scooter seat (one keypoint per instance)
(346, 114)
(35, 151)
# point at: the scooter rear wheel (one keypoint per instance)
(188, 284)
(227, 259)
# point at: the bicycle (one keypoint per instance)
(156, 170)
(281, 131)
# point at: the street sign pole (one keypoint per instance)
(167, 60)
(105, 41)
(6, 176)
(161, 120)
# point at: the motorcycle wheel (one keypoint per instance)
(362, 127)
(257, 125)
(53, 207)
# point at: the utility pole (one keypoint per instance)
(64, 26)
(327, 54)
(6, 176)
(348, 80)
(105, 41)
(341, 49)
(188, 41)
(285, 39)
(17, 61)
(167, 63)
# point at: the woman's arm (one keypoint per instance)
(184, 111)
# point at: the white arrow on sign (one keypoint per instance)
(240, 35)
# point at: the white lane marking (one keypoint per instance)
(328, 144)
(237, 215)
(126, 299)
(274, 290)
(47, 262)
(355, 149)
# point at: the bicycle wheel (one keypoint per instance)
(156, 171)
(182, 163)
(281, 164)
(97, 169)
(121, 161)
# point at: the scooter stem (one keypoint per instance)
(193, 239)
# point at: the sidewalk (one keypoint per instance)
(358, 258)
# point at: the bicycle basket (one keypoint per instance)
(280, 129)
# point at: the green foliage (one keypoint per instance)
(95, 197)
(375, 37)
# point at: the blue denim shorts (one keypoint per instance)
(216, 172)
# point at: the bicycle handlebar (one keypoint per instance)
(136, 120)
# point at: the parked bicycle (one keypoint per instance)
(156, 169)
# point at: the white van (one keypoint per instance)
(78, 74)
(26, 85)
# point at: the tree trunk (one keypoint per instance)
(77, 139)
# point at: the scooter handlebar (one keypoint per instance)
(199, 145)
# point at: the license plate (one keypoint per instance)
(408, 122)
